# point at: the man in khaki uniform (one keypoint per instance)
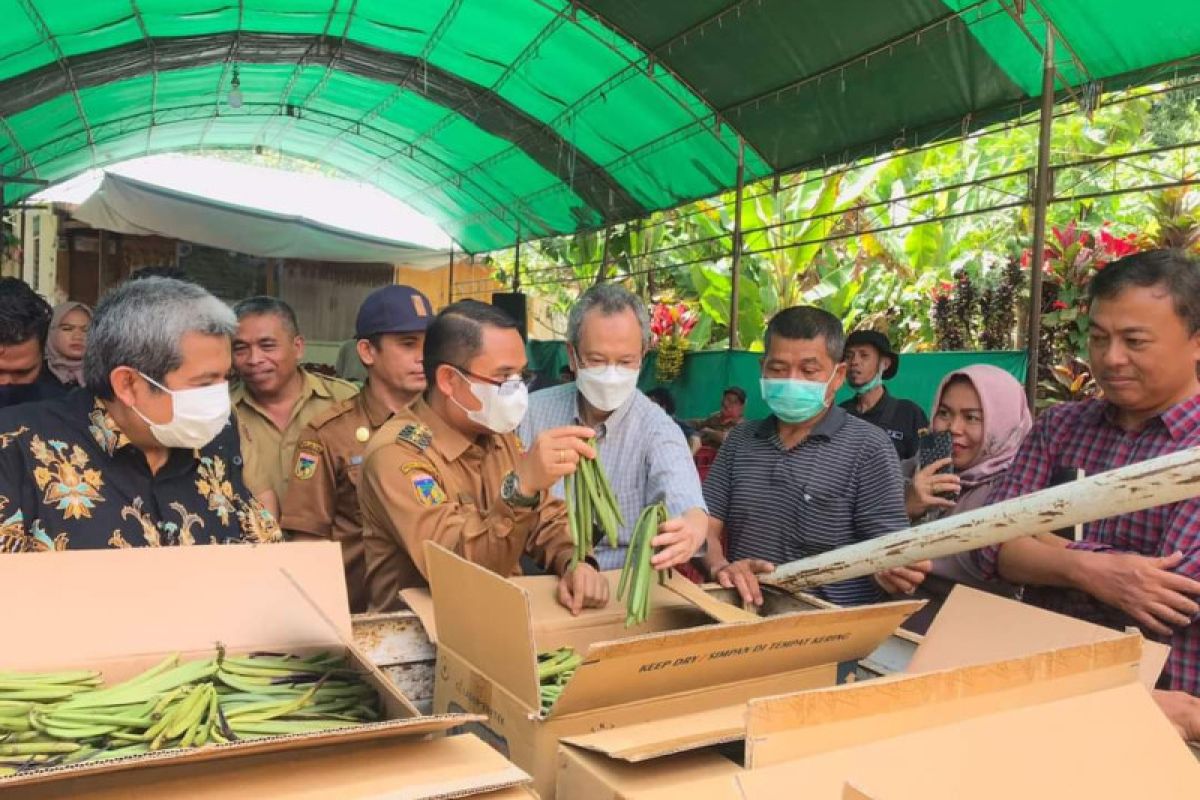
(275, 398)
(390, 333)
(449, 469)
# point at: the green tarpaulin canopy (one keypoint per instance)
(514, 119)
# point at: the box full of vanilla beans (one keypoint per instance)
(157, 656)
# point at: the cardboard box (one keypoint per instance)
(678, 666)
(966, 721)
(1108, 743)
(404, 769)
(122, 611)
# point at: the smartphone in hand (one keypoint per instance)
(933, 447)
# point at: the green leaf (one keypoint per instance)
(923, 246)
(701, 333)
(716, 306)
(827, 201)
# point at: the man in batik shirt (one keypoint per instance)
(143, 454)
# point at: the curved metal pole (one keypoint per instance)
(1041, 199)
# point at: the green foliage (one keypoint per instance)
(873, 244)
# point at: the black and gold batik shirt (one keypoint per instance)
(71, 480)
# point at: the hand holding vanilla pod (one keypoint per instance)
(67, 718)
(638, 572)
(591, 500)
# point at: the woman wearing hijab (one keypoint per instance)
(984, 409)
(67, 341)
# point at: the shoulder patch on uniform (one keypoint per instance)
(306, 465)
(425, 483)
(416, 434)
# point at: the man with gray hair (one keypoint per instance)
(642, 450)
(136, 457)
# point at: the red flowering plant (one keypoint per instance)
(670, 324)
(1072, 258)
(671, 321)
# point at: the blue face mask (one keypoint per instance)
(794, 400)
(869, 385)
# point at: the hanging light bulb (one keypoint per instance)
(235, 90)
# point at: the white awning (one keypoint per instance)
(220, 204)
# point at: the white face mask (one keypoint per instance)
(198, 415)
(606, 388)
(503, 407)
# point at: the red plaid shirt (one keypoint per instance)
(1084, 436)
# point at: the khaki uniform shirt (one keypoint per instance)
(325, 480)
(423, 480)
(270, 453)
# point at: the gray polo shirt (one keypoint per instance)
(642, 450)
(839, 486)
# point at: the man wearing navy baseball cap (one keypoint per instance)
(323, 503)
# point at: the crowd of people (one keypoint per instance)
(164, 417)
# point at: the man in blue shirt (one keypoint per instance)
(641, 449)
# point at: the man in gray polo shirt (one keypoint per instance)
(807, 479)
(642, 450)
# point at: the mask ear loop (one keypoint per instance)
(470, 385)
(153, 382)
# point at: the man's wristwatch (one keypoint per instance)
(510, 493)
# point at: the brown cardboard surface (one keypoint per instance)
(457, 766)
(682, 661)
(117, 603)
(701, 775)
(721, 612)
(798, 725)
(975, 627)
(531, 743)
(485, 619)
(661, 736)
(555, 626)
(420, 602)
(1112, 744)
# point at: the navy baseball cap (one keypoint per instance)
(393, 309)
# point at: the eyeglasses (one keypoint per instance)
(509, 385)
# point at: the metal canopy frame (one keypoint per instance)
(593, 183)
(547, 141)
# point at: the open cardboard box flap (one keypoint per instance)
(455, 766)
(975, 627)
(796, 725)
(1107, 744)
(491, 626)
(674, 662)
(92, 605)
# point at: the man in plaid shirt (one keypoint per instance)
(1142, 567)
